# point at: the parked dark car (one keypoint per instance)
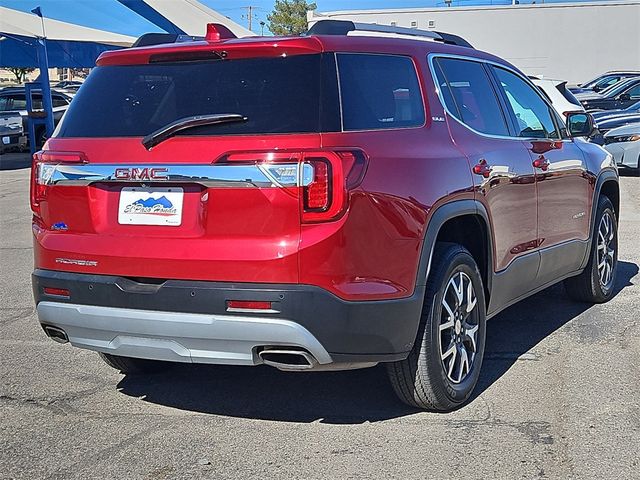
(620, 96)
(71, 85)
(13, 99)
(602, 82)
(602, 114)
(607, 120)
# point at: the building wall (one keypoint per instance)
(569, 41)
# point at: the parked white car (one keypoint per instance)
(624, 144)
(562, 99)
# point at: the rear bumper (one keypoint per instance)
(188, 321)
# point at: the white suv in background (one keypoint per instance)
(561, 98)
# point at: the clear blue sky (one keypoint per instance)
(111, 15)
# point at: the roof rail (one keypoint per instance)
(149, 39)
(215, 33)
(343, 27)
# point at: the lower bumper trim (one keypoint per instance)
(176, 337)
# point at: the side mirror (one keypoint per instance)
(624, 97)
(580, 124)
(597, 89)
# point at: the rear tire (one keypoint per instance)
(426, 378)
(596, 283)
(134, 365)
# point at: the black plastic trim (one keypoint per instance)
(364, 331)
(608, 175)
(442, 214)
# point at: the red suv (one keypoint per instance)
(358, 195)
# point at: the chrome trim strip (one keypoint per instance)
(266, 175)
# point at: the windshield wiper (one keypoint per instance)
(169, 130)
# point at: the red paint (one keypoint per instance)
(359, 239)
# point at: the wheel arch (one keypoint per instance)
(607, 184)
(450, 222)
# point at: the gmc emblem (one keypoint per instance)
(141, 173)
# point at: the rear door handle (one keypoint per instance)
(541, 163)
(482, 168)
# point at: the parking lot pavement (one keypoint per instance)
(558, 398)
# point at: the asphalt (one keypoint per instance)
(559, 396)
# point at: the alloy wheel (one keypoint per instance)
(606, 250)
(458, 327)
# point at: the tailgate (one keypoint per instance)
(188, 210)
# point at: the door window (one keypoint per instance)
(469, 96)
(59, 101)
(634, 93)
(531, 115)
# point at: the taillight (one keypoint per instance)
(321, 179)
(317, 194)
(43, 172)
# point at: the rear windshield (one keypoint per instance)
(295, 94)
(570, 97)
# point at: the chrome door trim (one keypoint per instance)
(434, 77)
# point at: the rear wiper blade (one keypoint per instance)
(169, 130)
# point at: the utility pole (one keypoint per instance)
(249, 14)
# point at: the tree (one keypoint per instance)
(289, 17)
(20, 73)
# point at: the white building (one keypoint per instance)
(569, 41)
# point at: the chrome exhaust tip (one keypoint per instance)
(288, 359)
(56, 334)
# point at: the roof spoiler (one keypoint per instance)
(343, 27)
(215, 33)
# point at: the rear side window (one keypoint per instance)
(531, 114)
(277, 95)
(379, 92)
(469, 95)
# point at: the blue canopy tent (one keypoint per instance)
(28, 40)
(22, 52)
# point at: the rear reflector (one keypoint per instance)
(57, 292)
(247, 305)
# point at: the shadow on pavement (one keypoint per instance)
(15, 160)
(352, 397)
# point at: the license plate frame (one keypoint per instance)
(159, 206)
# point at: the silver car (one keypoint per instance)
(624, 144)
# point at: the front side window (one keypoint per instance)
(379, 92)
(532, 116)
(469, 96)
